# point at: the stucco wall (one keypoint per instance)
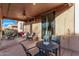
(64, 21)
(37, 29)
(27, 28)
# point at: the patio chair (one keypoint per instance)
(33, 51)
(28, 36)
(56, 40)
(34, 37)
(30, 46)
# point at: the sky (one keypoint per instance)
(7, 22)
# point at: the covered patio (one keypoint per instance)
(43, 29)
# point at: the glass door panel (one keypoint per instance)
(48, 25)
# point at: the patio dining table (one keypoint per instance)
(47, 48)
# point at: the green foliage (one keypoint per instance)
(10, 32)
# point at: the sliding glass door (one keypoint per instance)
(48, 24)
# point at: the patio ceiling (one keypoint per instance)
(15, 10)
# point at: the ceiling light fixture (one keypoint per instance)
(24, 12)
